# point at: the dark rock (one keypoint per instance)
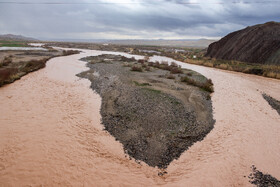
(262, 180)
(256, 44)
(275, 104)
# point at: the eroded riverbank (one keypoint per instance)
(51, 133)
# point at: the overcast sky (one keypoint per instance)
(132, 19)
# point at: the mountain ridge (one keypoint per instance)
(12, 37)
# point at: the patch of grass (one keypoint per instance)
(141, 84)
(13, 44)
(152, 90)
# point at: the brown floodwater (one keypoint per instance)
(51, 133)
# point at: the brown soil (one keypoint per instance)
(153, 114)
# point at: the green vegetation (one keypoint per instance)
(271, 71)
(141, 84)
(188, 76)
(196, 56)
(152, 90)
(13, 44)
(206, 86)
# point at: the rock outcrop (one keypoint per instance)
(255, 44)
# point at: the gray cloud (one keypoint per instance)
(134, 19)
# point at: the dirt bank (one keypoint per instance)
(149, 110)
(16, 64)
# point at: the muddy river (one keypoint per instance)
(51, 133)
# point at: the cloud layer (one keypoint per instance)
(133, 19)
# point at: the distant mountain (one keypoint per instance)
(200, 43)
(11, 37)
(196, 43)
(255, 44)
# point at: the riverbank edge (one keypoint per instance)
(12, 74)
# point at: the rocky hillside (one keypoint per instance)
(256, 44)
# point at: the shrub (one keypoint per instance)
(188, 80)
(141, 61)
(173, 64)
(150, 64)
(223, 66)
(157, 64)
(125, 59)
(34, 65)
(176, 70)
(136, 68)
(6, 74)
(271, 75)
(170, 76)
(7, 61)
(148, 69)
(69, 52)
(207, 86)
(165, 67)
(144, 65)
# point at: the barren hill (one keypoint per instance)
(11, 37)
(255, 44)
